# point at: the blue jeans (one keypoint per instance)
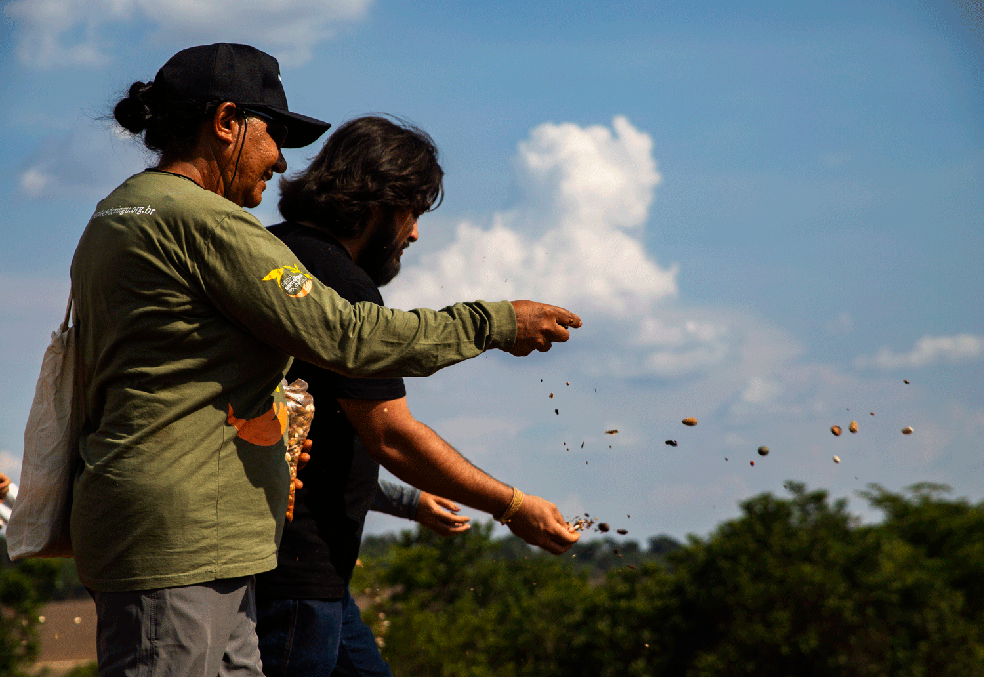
(308, 637)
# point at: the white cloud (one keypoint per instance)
(62, 167)
(761, 390)
(60, 33)
(473, 433)
(927, 351)
(573, 240)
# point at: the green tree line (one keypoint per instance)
(794, 586)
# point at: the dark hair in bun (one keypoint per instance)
(168, 125)
(133, 111)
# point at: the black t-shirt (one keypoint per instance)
(320, 546)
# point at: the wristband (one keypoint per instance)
(517, 500)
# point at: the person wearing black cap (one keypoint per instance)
(189, 314)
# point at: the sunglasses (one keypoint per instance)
(276, 130)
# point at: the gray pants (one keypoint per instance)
(192, 631)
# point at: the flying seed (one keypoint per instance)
(836, 429)
(557, 411)
(905, 381)
(671, 443)
(763, 451)
(853, 427)
(613, 431)
(689, 421)
(751, 463)
(551, 396)
(622, 531)
(603, 527)
(907, 430)
(837, 459)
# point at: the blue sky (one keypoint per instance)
(769, 215)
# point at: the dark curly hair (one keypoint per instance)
(369, 162)
(168, 125)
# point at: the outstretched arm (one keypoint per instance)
(417, 455)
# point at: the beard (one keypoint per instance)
(380, 257)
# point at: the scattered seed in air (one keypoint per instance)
(582, 445)
(853, 427)
(763, 451)
(557, 411)
(905, 381)
(836, 429)
(603, 527)
(751, 463)
(551, 396)
(671, 443)
(907, 430)
(568, 383)
(622, 531)
(613, 431)
(689, 421)
(837, 459)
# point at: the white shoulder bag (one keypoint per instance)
(39, 522)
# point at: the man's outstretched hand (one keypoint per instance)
(539, 523)
(538, 325)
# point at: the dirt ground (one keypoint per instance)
(68, 635)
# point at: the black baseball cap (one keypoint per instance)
(241, 74)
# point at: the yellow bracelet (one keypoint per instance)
(517, 500)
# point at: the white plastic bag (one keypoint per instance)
(39, 522)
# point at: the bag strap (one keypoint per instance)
(80, 414)
(68, 312)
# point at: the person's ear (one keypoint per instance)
(226, 123)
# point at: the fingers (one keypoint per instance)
(447, 504)
(304, 456)
(540, 523)
(446, 524)
(539, 325)
(440, 515)
(298, 484)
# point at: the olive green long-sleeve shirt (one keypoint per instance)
(189, 313)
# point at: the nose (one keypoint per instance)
(281, 165)
(413, 232)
